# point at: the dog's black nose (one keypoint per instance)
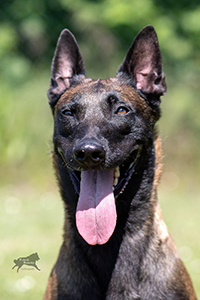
(89, 153)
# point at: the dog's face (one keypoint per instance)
(99, 125)
(102, 127)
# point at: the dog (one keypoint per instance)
(108, 161)
(28, 261)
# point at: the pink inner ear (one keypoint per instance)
(66, 81)
(64, 73)
(146, 82)
(63, 83)
(142, 77)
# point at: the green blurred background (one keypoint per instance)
(31, 213)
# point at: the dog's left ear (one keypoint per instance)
(67, 62)
(143, 63)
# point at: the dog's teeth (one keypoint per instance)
(116, 176)
(131, 165)
(115, 181)
(117, 172)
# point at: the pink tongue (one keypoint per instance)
(96, 211)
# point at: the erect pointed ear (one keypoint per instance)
(67, 62)
(143, 63)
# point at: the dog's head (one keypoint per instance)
(102, 127)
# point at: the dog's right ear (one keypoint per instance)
(67, 62)
(143, 64)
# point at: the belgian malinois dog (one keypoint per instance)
(108, 162)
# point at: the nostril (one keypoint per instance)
(79, 155)
(97, 155)
(89, 153)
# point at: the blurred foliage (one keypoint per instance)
(29, 30)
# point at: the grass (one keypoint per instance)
(181, 214)
(30, 222)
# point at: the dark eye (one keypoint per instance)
(121, 110)
(66, 112)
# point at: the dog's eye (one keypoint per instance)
(66, 112)
(121, 110)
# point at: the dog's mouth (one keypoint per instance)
(96, 215)
(121, 173)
